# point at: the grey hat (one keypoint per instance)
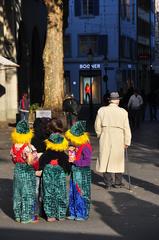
(114, 96)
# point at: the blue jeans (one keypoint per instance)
(24, 116)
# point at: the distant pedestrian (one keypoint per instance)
(144, 105)
(135, 109)
(24, 106)
(80, 153)
(25, 158)
(113, 131)
(106, 98)
(152, 101)
(72, 108)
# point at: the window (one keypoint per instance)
(67, 46)
(125, 9)
(86, 8)
(97, 43)
(128, 47)
(86, 43)
(90, 83)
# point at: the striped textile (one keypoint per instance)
(80, 192)
(24, 192)
(54, 192)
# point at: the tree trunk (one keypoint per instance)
(53, 58)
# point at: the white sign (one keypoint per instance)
(88, 66)
(43, 113)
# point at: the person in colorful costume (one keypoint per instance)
(55, 165)
(25, 158)
(80, 181)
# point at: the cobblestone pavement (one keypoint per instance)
(115, 214)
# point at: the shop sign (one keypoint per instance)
(43, 113)
(88, 66)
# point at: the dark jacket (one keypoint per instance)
(49, 155)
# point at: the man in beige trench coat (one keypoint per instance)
(113, 130)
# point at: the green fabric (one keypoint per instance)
(78, 128)
(56, 138)
(24, 192)
(22, 127)
(82, 177)
(54, 190)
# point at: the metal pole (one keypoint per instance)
(128, 173)
(106, 85)
(91, 103)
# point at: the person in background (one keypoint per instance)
(106, 98)
(112, 129)
(25, 158)
(80, 153)
(72, 108)
(144, 105)
(152, 101)
(135, 108)
(24, 106)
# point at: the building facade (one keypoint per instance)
(9, 22)
(145, 42)
(100, 47)
(108, 45)
(155, 63)
(120, 37)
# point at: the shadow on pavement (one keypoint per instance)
(147, 186)
(10, 234)
(130, 217)
(6, 189)
(97, 180)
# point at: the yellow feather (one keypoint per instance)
(77, 141)
(59, 147)
(21, 138)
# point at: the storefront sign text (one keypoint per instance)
(90, 66)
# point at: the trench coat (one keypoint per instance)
(112, 128)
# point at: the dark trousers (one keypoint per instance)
(153, 112)
(108, 178)
(135, 118)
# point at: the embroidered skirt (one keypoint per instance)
(80, 193)
(54, 192)
(24, 192)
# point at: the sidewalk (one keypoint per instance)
(115, 214)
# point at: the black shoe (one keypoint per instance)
(121, 185)
(108, 187)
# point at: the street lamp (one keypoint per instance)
(90, 61)
(105, 77)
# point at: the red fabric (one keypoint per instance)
(80, 149)
(87, 89)
(18, 154)
(23, 103)
(54, 162)
(78, 189)
(19, 158)
(35, 165)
